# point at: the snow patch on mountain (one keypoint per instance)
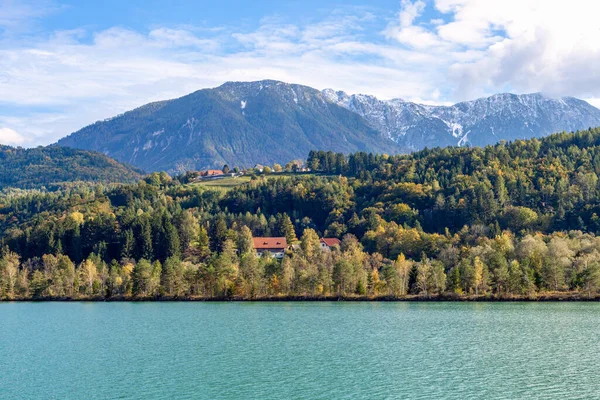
(464, 139)
(203, 129)
(483, 121)
(456, 129)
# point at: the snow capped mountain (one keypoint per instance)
(244, 123)
(479, 122)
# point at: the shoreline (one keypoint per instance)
(553, 297)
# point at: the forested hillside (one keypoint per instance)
(51, 166)
(238, 123)
(516, 219)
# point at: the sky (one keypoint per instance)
(67, 64)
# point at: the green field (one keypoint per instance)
(225, 183)
(229, 183)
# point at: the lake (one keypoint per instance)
(299, 350)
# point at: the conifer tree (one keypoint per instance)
(245, 241)
(287, 229)
(140, 276)
(128, 244)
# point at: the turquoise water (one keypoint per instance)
(299, 350)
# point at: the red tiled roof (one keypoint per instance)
(331, 241)
(262, 243)
(211, 172)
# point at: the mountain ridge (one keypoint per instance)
(268, 121)
(473, 122)
(238, 124)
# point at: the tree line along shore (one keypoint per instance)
(528, 269)
(511, 221)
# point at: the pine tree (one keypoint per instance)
(501, 192)
(454, 282)
(218, 234)
(245, 241)
(76, 253)
(128, 244)
(412, 279)
(286, 227)
(141, 274)
(147, 250)
(310, 244)
(203, 242)
(168, 277)
(173, 248)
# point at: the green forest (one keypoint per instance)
(513, 220)
(54, 167)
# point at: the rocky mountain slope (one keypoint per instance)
(236, 124)
(480, 122)
(244, 123)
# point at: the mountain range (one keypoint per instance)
(479, 122)
(236, 124)
(243, 123)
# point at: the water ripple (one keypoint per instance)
(299, 350)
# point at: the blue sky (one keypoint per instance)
(140, 15)
(66, 64)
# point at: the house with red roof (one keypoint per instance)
(328, 243)
(211, 172)
(274, 245)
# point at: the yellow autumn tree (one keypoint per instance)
(477, 274)
(77, 217)
(89, 275)
(402, 269)
(375, 282)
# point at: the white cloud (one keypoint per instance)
(18, 16)
(83, 81)
(547, 46)
(594, 101)
(519, 45)
(404, 31)
(410, 11)
(68, 79)
(11, 137)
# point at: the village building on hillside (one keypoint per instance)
(211, 172)
(328, 243)
(274, 245)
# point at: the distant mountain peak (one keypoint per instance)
(237, 123)
(479, 122)
(268, 121)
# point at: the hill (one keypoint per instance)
(50, 166)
